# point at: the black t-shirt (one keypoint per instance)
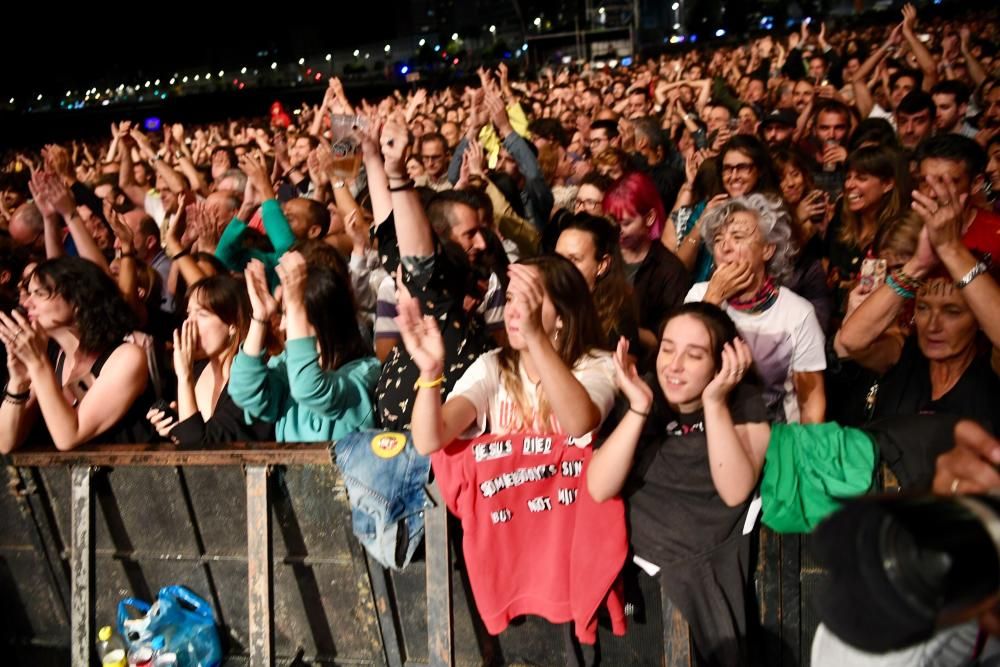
(660, 282)
(906, 390)
(674, 509)
(227, 423)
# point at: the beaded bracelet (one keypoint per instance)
(907, 282)
(890, 280)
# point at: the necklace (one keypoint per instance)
(759, 302)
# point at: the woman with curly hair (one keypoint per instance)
(750, 241)
(97, 388)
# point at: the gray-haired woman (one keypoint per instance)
(750, 240)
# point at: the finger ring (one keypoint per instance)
(954, 485)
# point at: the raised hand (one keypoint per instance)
(126, 238)
(185, 349)
(292, 273)
(525, 289)
(729, 280)
(474, 151)
(256, 170)
(317, 165)
(142, 142)
(909, 17)
(633, 388)
(395, 142)
(498, 113)
(421, 337)
(24, 340)
(943, 212)
(736, 361)
(51, 194)
(263, 305)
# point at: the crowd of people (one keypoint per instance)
(665, 263)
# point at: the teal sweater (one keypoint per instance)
(231, 251)
(304, 402)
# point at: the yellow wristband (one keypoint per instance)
(429, 384)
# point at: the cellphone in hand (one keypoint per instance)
(164, 407)
(872, 273)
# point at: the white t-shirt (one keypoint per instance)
(785, 339)
(497, 411)
(879, 112)
(154, 207)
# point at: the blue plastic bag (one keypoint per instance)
(182, 618)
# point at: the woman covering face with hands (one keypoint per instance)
(944, 366)
(686, 457)
(750, 241)
(96, 389)
(204, 349)
(548, 378)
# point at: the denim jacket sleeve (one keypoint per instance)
(455, 166)
(537, 189)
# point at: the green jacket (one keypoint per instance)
(304, 402)
(809, 468)
(232, 251)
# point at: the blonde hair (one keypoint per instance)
(579, 334)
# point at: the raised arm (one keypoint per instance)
(126, 177)
(173, 180)
(378, 182)
(943, 223)
(735, 452)
(976, 70)
(571, 404)
(434, 426)
(413, 231)
(924, 58)
(55, 196)
(862, 95)
(128, 282)
(610, 465)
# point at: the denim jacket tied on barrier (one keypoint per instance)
(386, 483)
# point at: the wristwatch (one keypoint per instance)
(982, 266)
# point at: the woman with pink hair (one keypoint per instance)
(658, 278)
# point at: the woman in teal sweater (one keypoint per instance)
(320, 388)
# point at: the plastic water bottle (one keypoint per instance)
(161, 656)
(140, 656)
(110, 648)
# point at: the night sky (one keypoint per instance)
(84, 44)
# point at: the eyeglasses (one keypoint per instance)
(743, 169)
(432, 158)
(588, 204)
